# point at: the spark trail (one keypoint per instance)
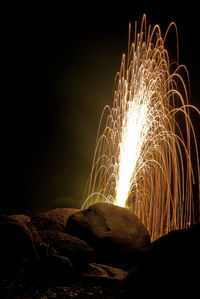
(142, 158)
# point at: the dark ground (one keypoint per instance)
(37, 287)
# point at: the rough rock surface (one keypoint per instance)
(53, 219)
(112, 231)
(67, 245)
(21, 218)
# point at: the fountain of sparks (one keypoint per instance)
(142, 160)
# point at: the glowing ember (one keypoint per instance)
(142, 160)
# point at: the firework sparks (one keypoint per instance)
(134, 131)
(142, 159)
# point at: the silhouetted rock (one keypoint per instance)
(57, 267)
(172, 263)
(99, 273)
(53, 219)
(114, 232)
(16, 242)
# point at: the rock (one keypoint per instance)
(114, 232)
(53, 219)
(67, 245)
(176, 246)
(57, 267)
(79, 252)
(103, 274)
(175, 258)
(50, 236)
(21, 218)
(16, 242)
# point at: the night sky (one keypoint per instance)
(58, 65)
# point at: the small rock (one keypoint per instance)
(72, 294)
(90, 294)
(79, 252)
(103, 274)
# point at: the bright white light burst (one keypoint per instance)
(134, 130)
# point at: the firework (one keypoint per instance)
(142, 158)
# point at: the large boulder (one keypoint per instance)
(52, 219)
(114, 232)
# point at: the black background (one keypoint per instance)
(58, 65)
